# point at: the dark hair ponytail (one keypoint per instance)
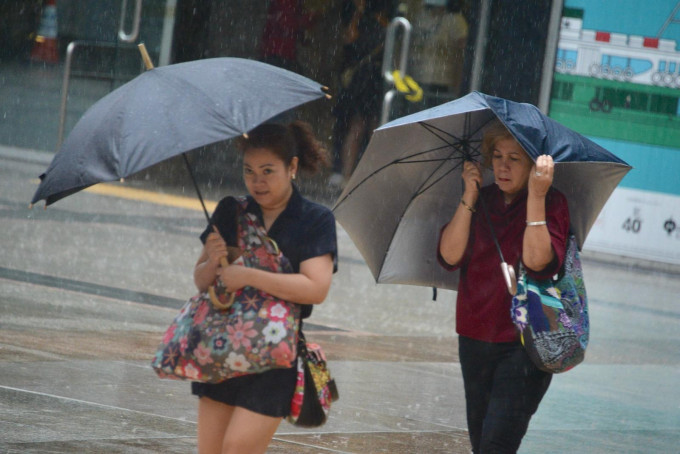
(287, 142)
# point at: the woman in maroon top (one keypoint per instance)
(531, 221)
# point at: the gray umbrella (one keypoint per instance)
(167, 111)
(408, 182)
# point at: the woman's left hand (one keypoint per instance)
(541, 176)
(234, 277)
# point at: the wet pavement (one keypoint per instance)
(88, 286)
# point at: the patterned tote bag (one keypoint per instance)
(258, 332)
(552, 315)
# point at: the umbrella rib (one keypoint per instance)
(424, 188)
(420, 161)
(468, 154)
(469, 148)
(463, 145)
(459, 142)
(432, 128)
(417, 193)
(420, 153)
(402, 160)
(472, 152)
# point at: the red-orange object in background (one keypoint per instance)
(45, 45)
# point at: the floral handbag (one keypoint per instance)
(315, 389)
(258, 332)
(552, 315)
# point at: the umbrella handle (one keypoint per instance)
(510, 277)
(212, 291)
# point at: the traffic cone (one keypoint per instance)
(45, 45)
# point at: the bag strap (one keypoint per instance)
(488, 221)
(507, 270)
(572, 260)
(248, 223)
(252, 235)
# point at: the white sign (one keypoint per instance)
(638, 223)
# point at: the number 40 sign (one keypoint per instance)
(638, 223)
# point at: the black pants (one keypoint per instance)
(502, 391)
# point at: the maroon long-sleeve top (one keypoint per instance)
(483, 304)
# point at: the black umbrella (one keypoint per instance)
(408, 182)
(167, 111)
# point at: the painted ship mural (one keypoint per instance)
(617, 86)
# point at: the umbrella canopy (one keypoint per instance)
(408, 182)
(167, 111)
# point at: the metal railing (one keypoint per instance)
(68, 65)
(126, 39)
(136, 19)
(388, 67)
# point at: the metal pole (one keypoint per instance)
(386, 106)
(390, 40)
(480, 46)
(122, 34)
(166, 35)
(64, 91)
(388, 60)
(549, 56)
(70, 50)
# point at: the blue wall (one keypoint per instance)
(654, 168)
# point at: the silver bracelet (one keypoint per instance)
(535, 223)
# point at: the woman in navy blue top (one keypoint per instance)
(242, 414)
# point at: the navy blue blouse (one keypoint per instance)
(303, 230)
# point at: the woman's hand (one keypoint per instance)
(208, 263)
(309, 286)
(537, 250)
(472, 176)
(215, 248)
(455, 235)
(541, 176)
(234, 277)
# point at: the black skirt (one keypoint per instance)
(269, 393)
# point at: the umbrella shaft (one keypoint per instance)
(198, 191)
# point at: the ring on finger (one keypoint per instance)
(538, 174)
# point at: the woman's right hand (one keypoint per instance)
(472, 176)
(454, 237)
(215, 247)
